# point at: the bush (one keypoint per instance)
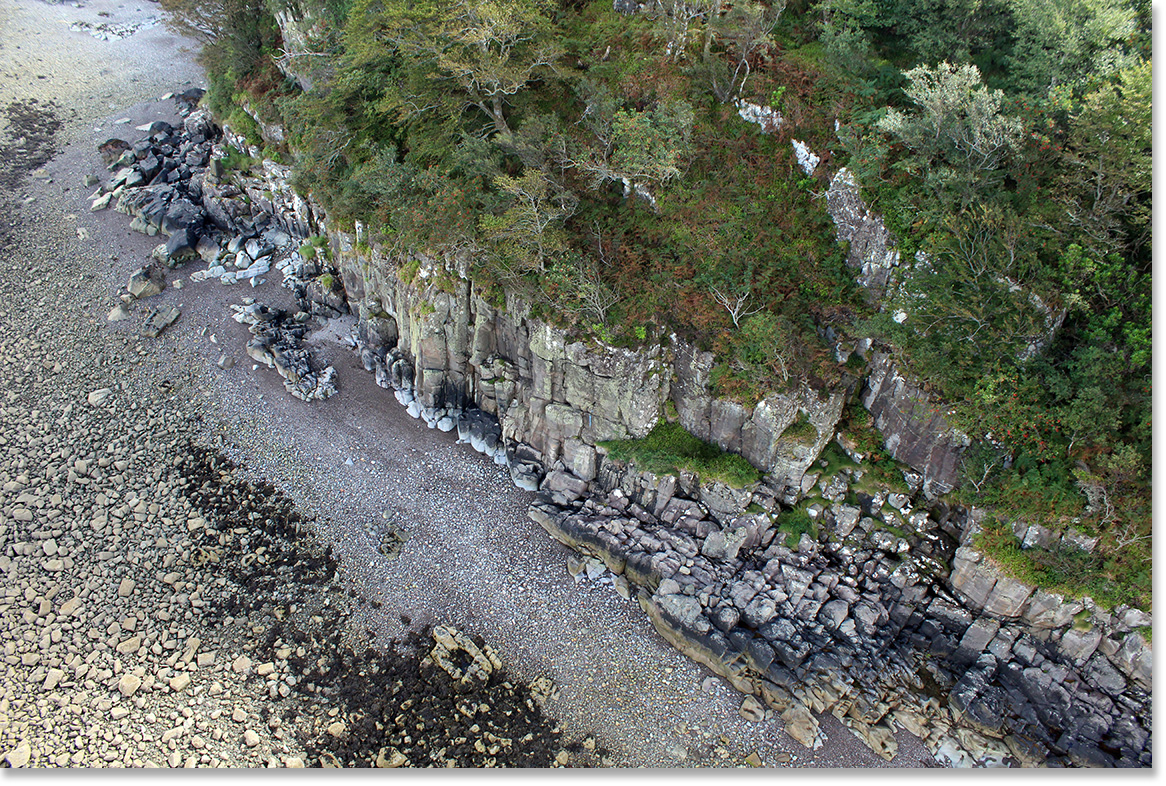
(1065, 570)
(669, 448)
(801, 430)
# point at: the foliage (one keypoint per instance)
(1065, 570)
(594, 165)
(957, 132)
(794, 523)
(668, 448)
(1062, 43)
(529, 232)
(801, 430)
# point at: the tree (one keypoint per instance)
(236, 37)
(736, 303)
(636, 148)
(674, 19)
(957, 131)
(747, 29)
(477, 54)
(528, 233)
(1107, 190)
(1065, 43)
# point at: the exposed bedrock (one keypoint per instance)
(886, 619)
(884, 614)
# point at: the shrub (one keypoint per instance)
(408, 271)
(801, 430)
(1066, 570)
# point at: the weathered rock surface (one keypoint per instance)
(860, 621)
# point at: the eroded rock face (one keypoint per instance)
(862, 621)
(873, 250)
(755, 433)
(913, 426)
(856, 626)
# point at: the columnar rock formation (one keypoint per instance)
(883, 614)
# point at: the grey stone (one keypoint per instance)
(159, 319)
(1078, 645)
(752, 710)
(682, 608)
(845, 519)
(1007, 597)
(1047, 610)
(724, 545)
(146, 282)
(977, 638)
(833, 613)
(1136, 660)
(970, 578)
(1102, 674)
(914, 428)
(759, 611)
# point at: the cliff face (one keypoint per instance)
(554, 398)
(883, 615)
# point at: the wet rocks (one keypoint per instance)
(278, 343)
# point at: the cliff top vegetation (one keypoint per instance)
(596, 163)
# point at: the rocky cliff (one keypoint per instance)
(879, 610)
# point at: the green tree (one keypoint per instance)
(460, 54)
(1106, 190)
(957, 130)
(529, 232)
(238, 37)
(1066, 43)
(639, 149)
(746, 30)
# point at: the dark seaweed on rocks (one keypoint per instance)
(395, 705)
(395, 701)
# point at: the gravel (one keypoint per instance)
(194, 562)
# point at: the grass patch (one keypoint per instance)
(795, 523)
(408, 271)
(801, 430)
(669, 449)
(245, 126)
(835, 458)
(1065, 570)
(237, 161)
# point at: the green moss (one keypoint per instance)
(898, 532)
(669, 449)
(795, 523)
(308, 251)
(801, 430)
(327, 281)
(243, 124)
(836, 459)
(237, 161)
(408, 271)
(444, 283)
(1147, 633)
